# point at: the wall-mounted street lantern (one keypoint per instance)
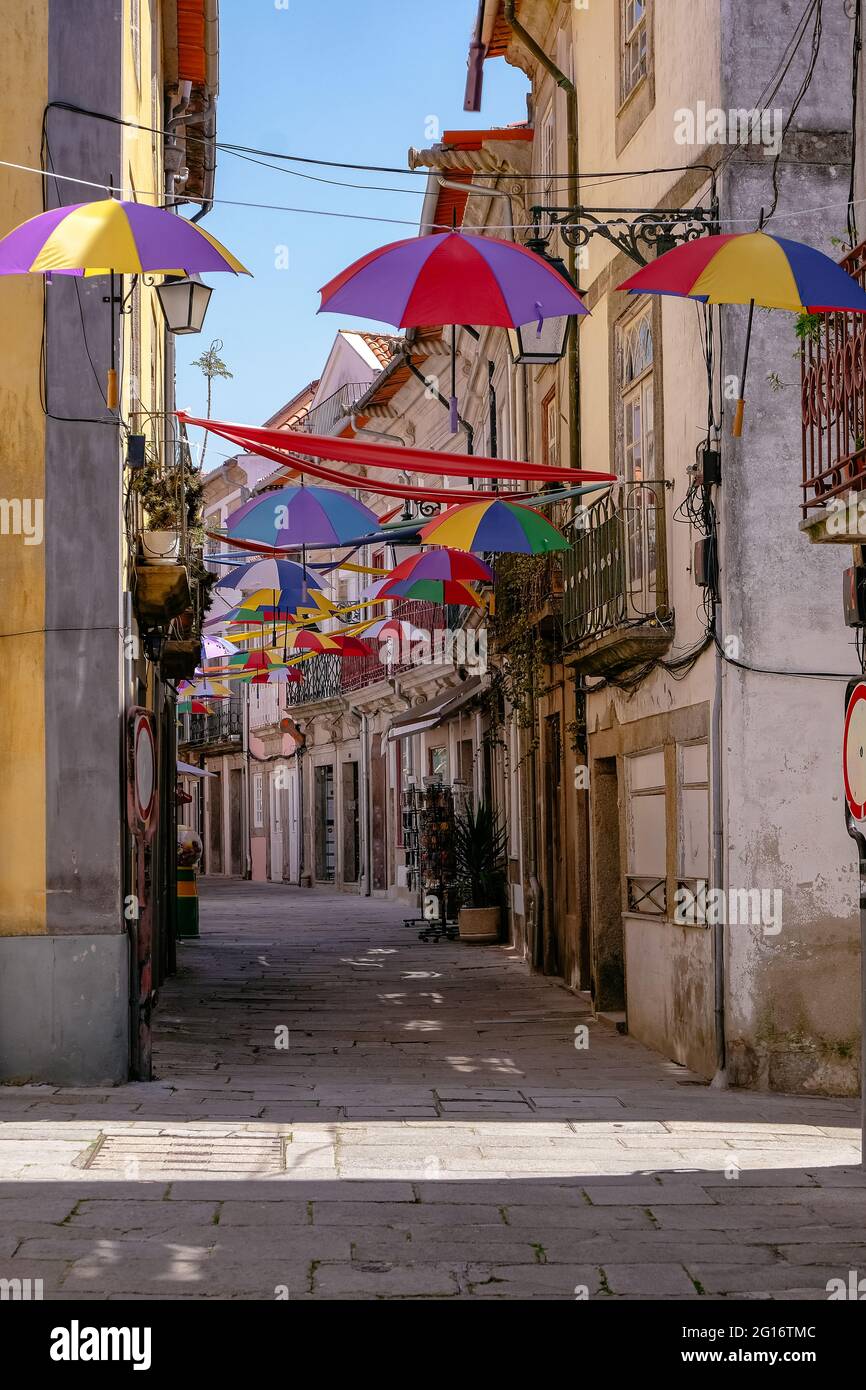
(153, 642)
(535, 344)
(184, 300)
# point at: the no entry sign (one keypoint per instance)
(854, 752)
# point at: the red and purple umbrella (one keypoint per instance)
(453, 278)
(441, 563)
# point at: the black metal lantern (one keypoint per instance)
(184, 300)
(154, 641)
(533, 345)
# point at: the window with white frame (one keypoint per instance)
(547, 147)
(258, 800)
(637, 462)
(634, 45)
(646, 837)
(693, 851)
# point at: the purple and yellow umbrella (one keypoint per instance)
(751, 268)
(492, 527)
(112, 237)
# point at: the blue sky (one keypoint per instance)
(338, 80)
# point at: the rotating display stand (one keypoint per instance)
(428, 837)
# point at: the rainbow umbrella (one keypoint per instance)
(751, 268)
(276, 675)
(307, 640)
(441, 563)
(302, 516)
(399, 628)
(193, 707)
(453, 278)
(453, 591)
(494, 526)
(259, 660)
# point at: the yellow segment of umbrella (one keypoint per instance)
(112, 237)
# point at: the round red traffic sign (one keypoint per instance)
(854, 753)
(144, 750)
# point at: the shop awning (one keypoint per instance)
(190, 770)
(432, 713)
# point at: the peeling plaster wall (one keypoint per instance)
(792, 997)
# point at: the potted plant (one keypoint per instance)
(480, 845)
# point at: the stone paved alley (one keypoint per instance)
(431, 1131)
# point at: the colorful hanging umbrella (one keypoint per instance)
(277, 675)
(193, 707)
(399, 629)
(751, 268)
(441, 563)
(110, 236)
(271, 573)
(493, 527)
(306, 640)
(215, 647)
(208, 690)
(453, 278)
(302, 516)
(258, 660)
(432, 591)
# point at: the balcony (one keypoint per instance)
(833, 407)
(323, 417)
(330, 677)
(221, 731)
(615, 601)
(527, 587)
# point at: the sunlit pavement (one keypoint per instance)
(343, 1111)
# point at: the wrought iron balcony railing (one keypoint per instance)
(323, 417)
(615, 573)
(834, 399)
(225, 725)
(327, 677)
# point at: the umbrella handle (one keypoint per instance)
(737, 429)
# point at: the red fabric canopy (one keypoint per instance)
(276, 444)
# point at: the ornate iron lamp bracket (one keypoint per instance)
(635, 231)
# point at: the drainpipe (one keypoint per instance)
(246, 817)
(568, 87)
(366, 848)
(720, 1078)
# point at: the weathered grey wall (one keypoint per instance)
(82, 505)
(64, 1010)
(792, 997)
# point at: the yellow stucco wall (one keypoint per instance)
(23, 92)
(143, 178)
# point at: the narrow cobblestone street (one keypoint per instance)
(434, 1129)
